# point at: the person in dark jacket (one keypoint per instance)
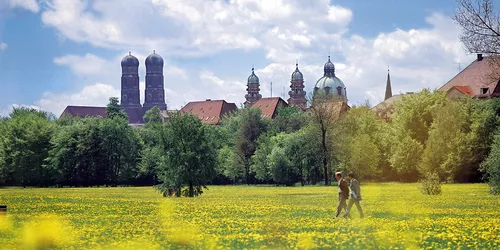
(355, 196)
(343, 193)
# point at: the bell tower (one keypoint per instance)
(253, 89)
(297, 93)
(130, 82)
(155, 92)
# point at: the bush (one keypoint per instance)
(430, 184)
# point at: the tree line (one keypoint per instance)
(427, 133)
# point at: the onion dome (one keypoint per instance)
(130, 61)
(154, 60)
(297, 75)
(253, 78)
(329, 68)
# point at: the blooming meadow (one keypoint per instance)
(397, 216)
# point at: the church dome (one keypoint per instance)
(130, 61)
(253, 78)
(297, 75)
(329, 68)
(154, 60)
(329, 84)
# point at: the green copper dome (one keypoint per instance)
(297, 75)
(329, 84)
(253, 79)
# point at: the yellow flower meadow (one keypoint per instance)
(398, 216)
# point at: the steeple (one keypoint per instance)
(388, 89)
(154, 94)
(297, 93)
(253, 88)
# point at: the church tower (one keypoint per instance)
(297, 93)
(253, 89)
(130, 82)
(388, 89)
(155, 92)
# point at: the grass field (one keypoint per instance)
(397, 216)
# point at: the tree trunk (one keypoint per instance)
(323, 144)
(191, 189)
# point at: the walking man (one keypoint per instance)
(355, 196)
(343, 193)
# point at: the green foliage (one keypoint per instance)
(114, 110)
(153, 116)
(491, 166)
(288, 119)
(121, 145)
(251, 127)
(260, 162)
(410, 127)
(430, 184)
(25, 143)
(281, 171)
(358, 139)
(190, 157)
(95, 151)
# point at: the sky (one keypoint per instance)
(55, 53)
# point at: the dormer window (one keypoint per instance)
(484, 91)
(339, 90)
(327, 90)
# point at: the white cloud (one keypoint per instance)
(338, 14)
(87, 65)
(283, 31)
(93, 95)
(31, 5)
(3, 46)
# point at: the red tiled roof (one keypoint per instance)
(464, 89)
(269, 106)
(479, 74)
(135, 115)
(84, 111)
(209, 111)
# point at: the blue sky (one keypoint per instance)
(55, 53)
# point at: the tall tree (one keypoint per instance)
(121, 145)
(26, 143)
(251, 127)
(190, 157)
(151, 153)
(324, 116)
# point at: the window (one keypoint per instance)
(327, 90)
(339, 90)
(484, 91)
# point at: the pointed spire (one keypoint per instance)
(296, 63)
(388, 89)
(129, 53)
